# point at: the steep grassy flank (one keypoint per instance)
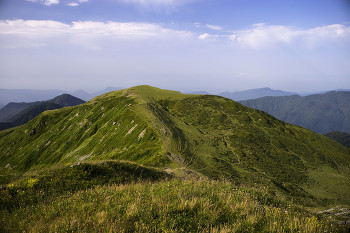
(212, 135)
(166, 206)
(97, 130)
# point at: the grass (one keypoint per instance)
(165, 206)
(45, 183)
(325, 182)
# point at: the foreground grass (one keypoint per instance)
(164, 206)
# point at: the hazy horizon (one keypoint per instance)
(195, 45)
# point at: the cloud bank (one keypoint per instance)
(265, 36)
(35, 33)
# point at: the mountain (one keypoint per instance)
(1, 105)
(323, 92)
(66, 100)
(31, 112)
(209, 135)
(12, 109)
(27, 95)
(321, 113)
(254, 94)
(341, 137)
(15, 114)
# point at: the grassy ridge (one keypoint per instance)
(214, 136)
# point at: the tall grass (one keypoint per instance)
(165, 206)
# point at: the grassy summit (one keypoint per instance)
(188, 136)
(214, 136)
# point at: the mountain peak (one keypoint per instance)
(66, 100)
(147, 92)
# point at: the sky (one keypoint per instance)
(187, 45)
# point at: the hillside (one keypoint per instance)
(341, 137)
(211, 135)
(321, 113)
(254, 94)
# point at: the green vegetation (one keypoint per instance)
(216, 141)
(38, 185)
(321, 113)
(163, 206)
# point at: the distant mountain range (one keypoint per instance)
(15, 114)
(27, 95)
(321, 113)
(254, 94)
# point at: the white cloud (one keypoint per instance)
(214, 27)
(82, 1)
(46, 2)
(28, 33)
(262, 36)
(73, 4)
(158, 5)
(204, 36)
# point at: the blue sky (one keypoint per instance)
(211, 45)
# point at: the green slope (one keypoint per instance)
(214, 136)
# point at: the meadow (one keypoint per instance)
(145, 199)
